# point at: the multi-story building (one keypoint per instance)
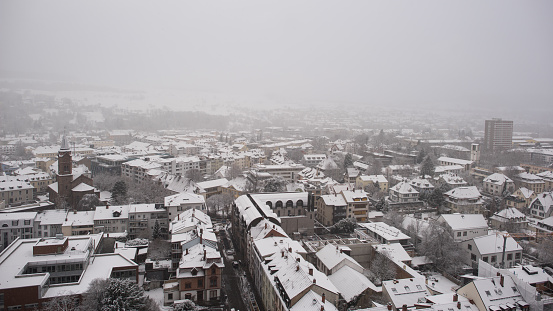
(110, 163)
(530, 181)
(78, 223)
(489, 248)
(35, 271)
(363, 181)
(498, 134)
(465, 226)
(111, 219)
(403, 192)
(542, 206)
(548, 179)
(137, 170)
(496, 184)
(312, 160)
(466, 164)
(143, 218)
(466, 200)
(16, 225)
(14, 192)
(176, 204)
(287, 171)
(49, 223)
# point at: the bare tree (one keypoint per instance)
(438, 245)
(234, 171)
(62, 302)
(105, 181)
(382, 268)
(88, 202)
(194, 174)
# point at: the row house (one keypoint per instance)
(143, 219)
(39, 181)
(137, 170)
(189, 227)
(111, 219)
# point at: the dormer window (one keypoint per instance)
(194, 271)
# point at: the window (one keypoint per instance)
(469, 246)
(170, 296)
(187, 285)
(200, 282)
(509, 256)
(465, 233)
(494, 258)
(517, 255)
(213, 294)
(472, 257)
(27, 222)
(213, 282)
(15, 222)
(394, 290)
(187, 296)
(488, 293)
(485, 259)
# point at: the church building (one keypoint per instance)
(69, 188)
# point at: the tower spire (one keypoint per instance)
(64, 143)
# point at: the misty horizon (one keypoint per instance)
(430, 54)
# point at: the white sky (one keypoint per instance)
(495, 53)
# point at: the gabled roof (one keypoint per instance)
(403, 188)
(493, 244)
(331, 256)
(545, 199)
(464, 221)
(497, 179)
(470, 192)
(351, 283)
(493, 294)
(183, 198)
(406, 291)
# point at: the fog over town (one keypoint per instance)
(282, 155)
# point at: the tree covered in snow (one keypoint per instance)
(427, 167)
(119, 192)
(274, 184)
(64, 302)
(88, 202)
(116, 294)
(438, 245)
(137, 242)
(346, 225)
(185, 305)
(348, 161)
(381, 268)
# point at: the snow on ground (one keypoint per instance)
(157, 296)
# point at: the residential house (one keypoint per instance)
(496, 184)
(510, 219)
(403, 192)
(547, 177)
(143, 218)
(531, 182)
(489, 248)
(542, 206)
(331, 258)
(465, 226)
(521, 198)
(177, 203)
(379, 181)
(464, 200)
(17, 225)
(111, 219)
(466, 164)
(494, 294)
(404, 293)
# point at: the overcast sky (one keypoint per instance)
(497, 53)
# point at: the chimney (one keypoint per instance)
(322, 308)
(265, 225)
(458, 305)
(205, 254)
(298, 259)
(324, 298)
(178, 216)
(187, 251)
(107, 206)
(289, 249)
(201, 239)
(314, 281)
(404, 308)
(389, 305)
(311, 272)
(282, 253)
(298, 268)
(501, 280)
(455, 297)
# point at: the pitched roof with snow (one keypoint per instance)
(184, 198)
(470, 192)
(331, 256)
(406, 291)
(497, 179)
(493, 243)
(351, 283)
(403, 188)
(464, 221)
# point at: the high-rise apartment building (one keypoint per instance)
(498, 134)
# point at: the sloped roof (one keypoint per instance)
(465, 221)
(351, 283)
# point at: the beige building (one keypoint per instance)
(15, 192)
(467, 200)
(363, 181)
(531, 182)
(496, 184)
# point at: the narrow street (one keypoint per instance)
(232, 283)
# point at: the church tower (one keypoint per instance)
(65, 172)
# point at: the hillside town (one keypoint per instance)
(321, 213)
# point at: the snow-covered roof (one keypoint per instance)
(51, 217)
(83, 218)
(422, 183)
(405, 291)
(384, 230)
(493, 294)
(111, 212)
(18, 216)
(393, 251)
(526, 193)
(464, 221)
(312, 301)
(373, 178)
(403, 188)
(213, 183)
(493, 243)
(200, 257)
(184, 199)
(456, 161)
(510, 213)
(545, 199)
(470, 192)
(531, 275)
(82, 187)
(333, 200)
(351, 283)
(331, 256)
(497, 179)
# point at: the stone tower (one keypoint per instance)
(65, 172)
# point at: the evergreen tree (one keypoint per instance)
(348, 161)
(427, 167)
(157, 231)
(421, 156)
(119, 191)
